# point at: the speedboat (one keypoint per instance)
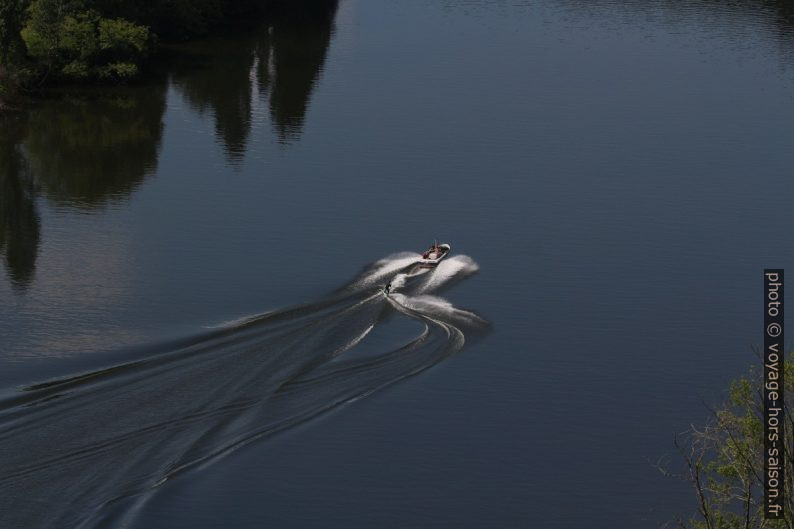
(433, 255)
(430, 258)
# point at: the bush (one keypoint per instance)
(725, 459)
(85, 40)
(80, 44)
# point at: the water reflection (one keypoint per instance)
(85, 152)
(79, 152)
(214, 77)
(291, 57)
(19, 220)
(88, 152)
(777, 15)
(285, 58)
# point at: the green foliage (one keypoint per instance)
(725, 459)
(119, 35)
(41, 30)
(88, 40)
(118, 70)
(75, 43)
(78, 42)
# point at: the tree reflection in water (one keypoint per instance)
(19, 221)
(285, 57)
(88, 150)
(78, 152)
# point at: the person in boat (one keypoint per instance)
(434, 252)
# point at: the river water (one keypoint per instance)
(193, 331)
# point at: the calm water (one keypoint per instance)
(617, 174)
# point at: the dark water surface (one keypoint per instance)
(618, 174)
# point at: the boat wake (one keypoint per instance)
(88, 450)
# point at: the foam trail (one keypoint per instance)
(382, 271)
(453, 269)
(440, 309)
(86, 450)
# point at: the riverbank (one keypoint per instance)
(95, 43)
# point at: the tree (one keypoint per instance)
(73, 42)
(12, 16)
(90, 40)
(725, 460)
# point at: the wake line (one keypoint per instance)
(84, 451)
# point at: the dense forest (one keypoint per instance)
(54, 41)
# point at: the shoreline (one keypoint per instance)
(151, 61)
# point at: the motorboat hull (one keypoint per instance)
(426, 262)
